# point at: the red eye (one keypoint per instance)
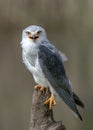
(28, 33)
(38, 32)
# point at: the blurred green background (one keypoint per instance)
(69, 25)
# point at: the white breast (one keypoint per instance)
(32, 63)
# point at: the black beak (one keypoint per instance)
(34, 37)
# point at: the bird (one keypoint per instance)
(46, 63)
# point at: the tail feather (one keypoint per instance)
(68, 99)
(78, 101)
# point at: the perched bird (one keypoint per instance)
(46, 64)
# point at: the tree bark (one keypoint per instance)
(41, 115)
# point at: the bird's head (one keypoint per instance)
(32, 36)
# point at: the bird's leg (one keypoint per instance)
(39, 87)
(51, 101)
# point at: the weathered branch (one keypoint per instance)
(41, 116)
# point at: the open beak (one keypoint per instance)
(33, 37)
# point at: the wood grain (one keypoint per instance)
(41, 116)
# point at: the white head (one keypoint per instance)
(32, 36)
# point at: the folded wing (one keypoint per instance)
(53, 68)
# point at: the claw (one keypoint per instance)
(51, 101)
(39, 87)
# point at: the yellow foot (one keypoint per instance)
(51, 101)
(39, 87)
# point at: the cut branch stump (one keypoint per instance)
(41, 116)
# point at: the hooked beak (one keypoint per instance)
(33, 37)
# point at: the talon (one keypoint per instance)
(51, 101)
(39, 87)
(42, 89)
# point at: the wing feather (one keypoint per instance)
(53, 68)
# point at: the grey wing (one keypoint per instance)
(63, 56)
(52, 66)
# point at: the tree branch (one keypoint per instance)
(41, 116)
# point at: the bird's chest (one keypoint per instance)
(32, 63)
(32, 59)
